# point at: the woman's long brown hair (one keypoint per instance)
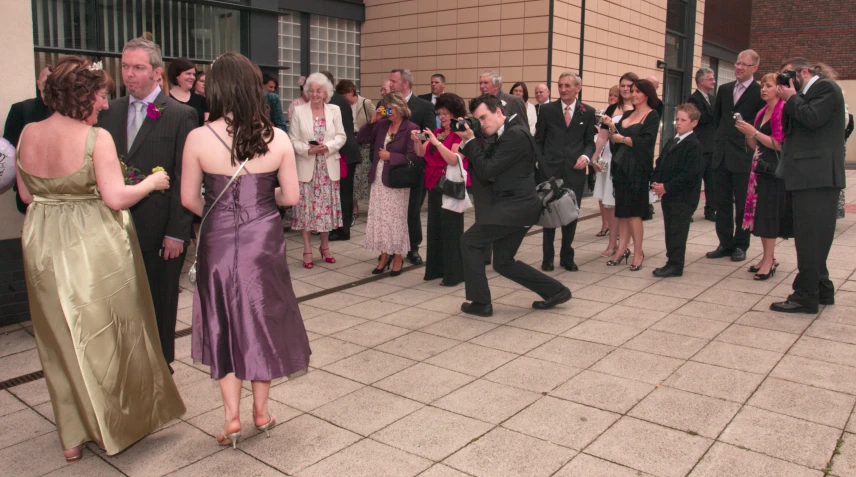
(234, 91)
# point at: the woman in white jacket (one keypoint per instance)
(317, 135)
(520, 89)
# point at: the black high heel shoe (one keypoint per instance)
(380, 269)
(624, 257)
(754, 269)
(393, 272)
(636, 268)
(761, 277)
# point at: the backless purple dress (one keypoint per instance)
(245, 315)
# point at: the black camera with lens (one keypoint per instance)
(784, 78)
(458, 125)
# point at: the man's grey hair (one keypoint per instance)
(495, 79)
(701, 73)
(578, 80)
(150, 47)
(406, 76)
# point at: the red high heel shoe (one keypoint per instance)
(324, 252)
(310, 263)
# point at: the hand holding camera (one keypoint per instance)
(747, 129)
(787, 84)
(465, 127)
(380, 112)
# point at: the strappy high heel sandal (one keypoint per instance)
(602, 233)
(267, 427)
(327, 258)
(623, 258)
(754, 269)
(636, 268)
(310, 263)
(609, 252)
(766, 276)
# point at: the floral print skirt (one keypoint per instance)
(386, 230)
(320, 206)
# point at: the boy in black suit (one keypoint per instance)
(677, 181)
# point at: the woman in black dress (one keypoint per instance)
(633, 140)
(768, 212)
(182, 75)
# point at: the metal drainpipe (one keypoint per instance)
(582, 39)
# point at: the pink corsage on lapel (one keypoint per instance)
(154, 112)
(582, 108)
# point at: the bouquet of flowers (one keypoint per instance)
(133, 175)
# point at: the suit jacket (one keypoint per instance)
(503, 182)
(422, 113)
(303, 130)
(351, 150)
(813, 154)
(426, 97)
(538, 107)
(20, 114)
(679, 171)
(730, 143)
(561, 145)
(160, 142)
(400, 149)
(705, 132)
(513, 105)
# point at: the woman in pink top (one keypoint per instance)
(445, 227)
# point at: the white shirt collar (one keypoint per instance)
(808, 85)
(502, 128)
(407, 99)
(148, 99)
(573, 106)
(681, 137)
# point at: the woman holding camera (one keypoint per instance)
(389, 132)
(603, 187)
(633, 139)
(445, 227)
(768, 212)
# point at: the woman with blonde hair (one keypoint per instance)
(317, 134)
(389, 132)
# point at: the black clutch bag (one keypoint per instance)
(454, 189)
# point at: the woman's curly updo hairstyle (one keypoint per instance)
(70, 89)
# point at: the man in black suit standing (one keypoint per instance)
(421, 114)
(732, 158)
(145, 140)
(813, 169)
(506, 207)
(564, 138)
(20, 114)
(491, 83)
(677, 182)
(702, 99)
(542, 97)
(351, 151)
(438, 87)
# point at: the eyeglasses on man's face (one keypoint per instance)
(741, 64)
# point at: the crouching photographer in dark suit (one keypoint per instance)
(506, 205)
(813, 168)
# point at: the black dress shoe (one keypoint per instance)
(711, 216)
(692, 220)
(414, 258)
(477, 309)
(571, 267)
(554, 300)
(793, 307)
(719, 253)
(547, 266)
(667, 271)
(738, 255)
(827, 301)
(337, 236)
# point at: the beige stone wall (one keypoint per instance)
(17, 76)
(458, 38)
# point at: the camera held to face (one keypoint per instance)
(458, 125)
(385, 111)
(784, 78)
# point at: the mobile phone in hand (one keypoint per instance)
(314, 143)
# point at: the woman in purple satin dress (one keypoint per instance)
(246, 323)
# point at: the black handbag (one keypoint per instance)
(453, 189)
(405, 176)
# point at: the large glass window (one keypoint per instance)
(289, 55)
(334, 46)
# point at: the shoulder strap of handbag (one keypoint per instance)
(229, 184)
(365, 109)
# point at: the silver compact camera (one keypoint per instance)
(422, 136)
(738, 117)
(599, 114)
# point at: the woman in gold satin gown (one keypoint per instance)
(90, 302)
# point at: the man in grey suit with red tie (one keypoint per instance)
(149, 129)
(564, 139)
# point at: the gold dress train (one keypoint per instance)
(92, 314)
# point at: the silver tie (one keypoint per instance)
(136, 123)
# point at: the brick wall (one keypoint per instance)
(13, 291)
(824, 30)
